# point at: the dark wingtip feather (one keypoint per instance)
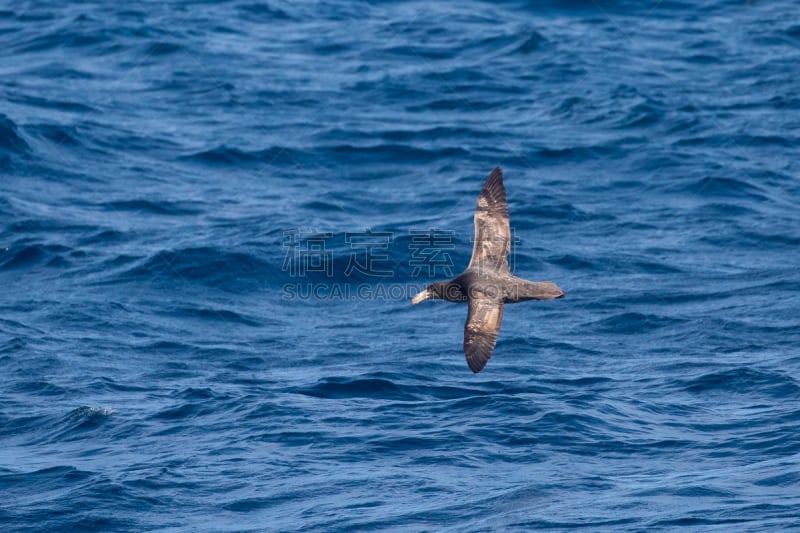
(495, 192)
(477, 365)
(495, 176)
(478, 347)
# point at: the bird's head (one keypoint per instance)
(441, 290)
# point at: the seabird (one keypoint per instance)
(487, 284)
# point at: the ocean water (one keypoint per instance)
(213, 216)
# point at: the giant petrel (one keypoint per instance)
(487, 283)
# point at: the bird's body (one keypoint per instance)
(487, 284)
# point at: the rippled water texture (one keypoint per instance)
(156, 375)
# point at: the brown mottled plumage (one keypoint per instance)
(487, 283)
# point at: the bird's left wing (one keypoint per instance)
(481, 329)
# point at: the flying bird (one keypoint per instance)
(487, 284)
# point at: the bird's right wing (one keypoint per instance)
(492, 231)
(481, 329)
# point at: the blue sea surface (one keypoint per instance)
(210, 226)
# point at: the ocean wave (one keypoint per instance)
(406, 388)
(73, 425)
(357, 388)
(214, 314)
(13, 345)
(51, 103)
(57, 134)
(546, 207)
(44, 388)
(712, 186)
(51, 478)
(618, 149)
(69, 38)
(739, 140)
(262, 12)
(744, 380)
(162, 48)
(224, 269)
(386, 153)
(11, 141)
(28, 256)
(160, 207)
(223, 155)
(629, 323)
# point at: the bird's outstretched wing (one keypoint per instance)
(481, 329)
(492, 232)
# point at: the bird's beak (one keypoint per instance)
(420, 297)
